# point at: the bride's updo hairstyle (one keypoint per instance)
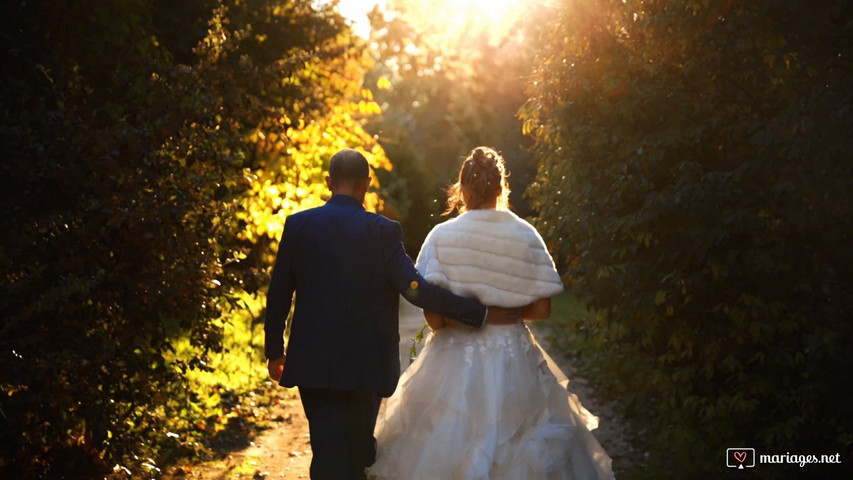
(483, 179)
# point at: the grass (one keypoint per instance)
(566, 325)
(566, 307)
(224, 404)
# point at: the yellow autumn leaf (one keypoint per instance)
(383, 83)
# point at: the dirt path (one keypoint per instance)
(280, 451)
(283, 450)
(613, 432)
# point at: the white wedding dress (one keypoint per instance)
(487, 404)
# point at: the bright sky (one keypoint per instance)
(493, 11)
(356, 11)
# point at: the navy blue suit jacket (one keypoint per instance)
(347, 268)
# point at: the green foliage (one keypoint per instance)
(695, 178)
(446, 86)
(152, 150)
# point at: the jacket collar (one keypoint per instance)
(345, 200)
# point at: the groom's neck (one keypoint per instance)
(356, 194)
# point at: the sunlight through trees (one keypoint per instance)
(687, 163)
(151, 161)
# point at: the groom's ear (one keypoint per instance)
(363, 188)
(329, 182)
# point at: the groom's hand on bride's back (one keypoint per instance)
(504, 316)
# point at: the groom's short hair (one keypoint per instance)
(348, 166)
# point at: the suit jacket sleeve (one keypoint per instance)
(406, 280)
(280, 295)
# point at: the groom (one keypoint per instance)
(347, 268)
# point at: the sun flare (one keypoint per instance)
(493, 11)
(453, 13)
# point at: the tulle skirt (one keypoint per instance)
(486, 404)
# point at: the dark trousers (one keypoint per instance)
(341, 424)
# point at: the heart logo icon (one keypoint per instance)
(740, 456)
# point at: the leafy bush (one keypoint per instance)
(695, 179)
(447, 86)
(152, 151)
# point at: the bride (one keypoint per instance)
(505, 414)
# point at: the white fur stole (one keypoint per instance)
(491, 255)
